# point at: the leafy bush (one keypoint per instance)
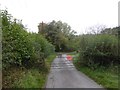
(99, 50)
(41, 47)
(15, 42)
(21, 48)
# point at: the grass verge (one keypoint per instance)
(33, 78)
(27, 78)
(102, 76)
(49, 60)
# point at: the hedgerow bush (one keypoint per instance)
(20, 48)
(41, 49)
(99, 50)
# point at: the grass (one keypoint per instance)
(28, 78)
(104, 77)
(11, 75)
(32, 79)
(49, 60)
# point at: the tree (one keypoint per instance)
(58, 33)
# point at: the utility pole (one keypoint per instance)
(41, 27)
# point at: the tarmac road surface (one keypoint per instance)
(64, 75)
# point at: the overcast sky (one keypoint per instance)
(79, 14)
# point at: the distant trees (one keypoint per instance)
(59, 34)
(112, 31)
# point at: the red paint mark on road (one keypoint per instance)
(69, 57)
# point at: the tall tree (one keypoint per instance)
(58, 33)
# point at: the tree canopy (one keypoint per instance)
(59, 34)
